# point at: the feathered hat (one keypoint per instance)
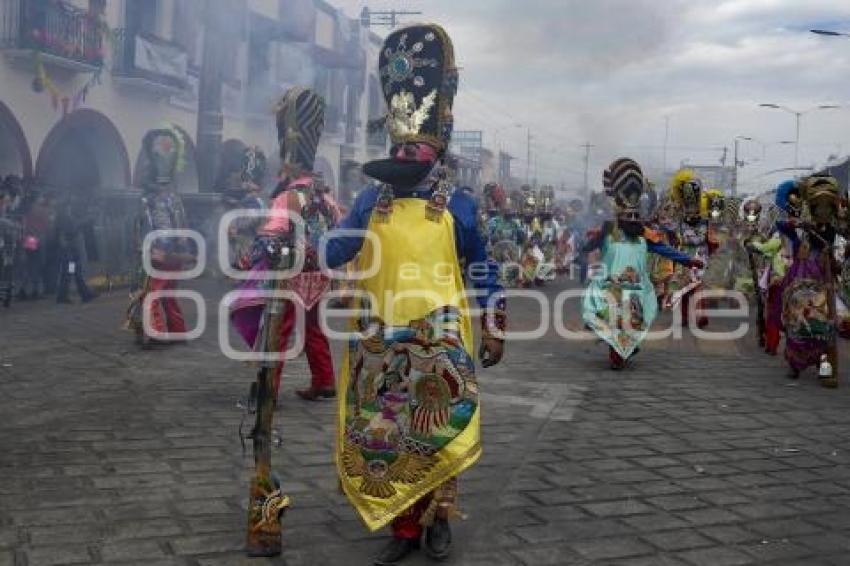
(686, 191)
(712, 204)
(789, 197)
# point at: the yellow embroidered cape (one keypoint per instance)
(419, 273)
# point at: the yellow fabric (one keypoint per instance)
(419, 265)
(680, 178)
(705, 199)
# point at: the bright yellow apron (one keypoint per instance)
(419, 273)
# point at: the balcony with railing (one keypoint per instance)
(63, 34)
(145, 61)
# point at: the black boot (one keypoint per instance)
(396, 550)
(438, 540)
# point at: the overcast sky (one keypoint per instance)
(607, 72)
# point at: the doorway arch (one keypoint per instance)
(15, 157)
(84, 153)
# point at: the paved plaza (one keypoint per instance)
(702, 454)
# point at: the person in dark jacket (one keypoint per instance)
(68, 236)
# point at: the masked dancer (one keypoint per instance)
(620, 303)
(808, 289)
(162, 209)
(698, 240)
(409, 416)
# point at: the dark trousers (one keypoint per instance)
(31, 272)
(50, 267)
(68, 256)
(7, 273)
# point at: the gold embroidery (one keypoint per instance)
(378, 476)
(404, 118)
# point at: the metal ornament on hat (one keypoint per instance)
(404, 118)
(402, 62)
(419, 81)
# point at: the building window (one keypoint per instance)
(97, 7)
(187, 28)
(142, 16)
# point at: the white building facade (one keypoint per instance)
(82, 81)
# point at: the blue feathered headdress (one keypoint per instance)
(784, 191)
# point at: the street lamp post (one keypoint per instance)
(798, 114)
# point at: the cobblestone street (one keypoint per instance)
(702, 454)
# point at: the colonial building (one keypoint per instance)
(84, 80)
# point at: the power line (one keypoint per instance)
(385, 18)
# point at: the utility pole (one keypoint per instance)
(798, 115)
(666, 141)
(387, 18)
(210, 117)
(797, 140)
(735, 169)
(536, 174)
(587, 148)
(528, 158)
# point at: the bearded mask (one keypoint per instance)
(691, 198)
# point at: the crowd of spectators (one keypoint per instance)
(41, 238)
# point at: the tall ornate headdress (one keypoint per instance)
(419, 80)
(626, 186)
(300, 120)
